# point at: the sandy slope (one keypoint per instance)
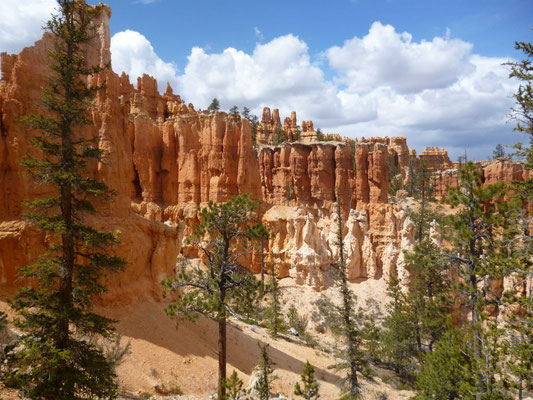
(166, 354)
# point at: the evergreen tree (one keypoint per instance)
(309, 388)
(214, 106)
(297, 135)
(55, 357)
(523, 71)
(483, 242)
(255, 122)
(395, 176)
(234, 111)
(448, 370)
(234, 388)
(224, 237)
(343, 321)
(519, 340)
(416, 316)
(320, 136)
(498, 152)
(423, 191)
(246, 113)
(279, 135)
(397, 344)
(265, 378)
(274, 314)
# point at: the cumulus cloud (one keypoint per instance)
(434, 91)
(133, 54)
(21, 22)
(387, 58)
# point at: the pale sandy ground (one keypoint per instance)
(167, 354)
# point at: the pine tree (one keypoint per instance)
(498, 152)
(343, 321)
(447, 371)
(416, 316)
(274, 314)
(224, 237)
(519, 341)
(234, 111)
(234, 388)
(214, 106)
(56, 356)
(265, 378)
(246, 113)
(309, 388)
(483, 242)
(279, 135)
(397, 344)
(255, 122)
(423, 191)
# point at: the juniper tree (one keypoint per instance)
(223, 236)
(55, 357)
(309, 387)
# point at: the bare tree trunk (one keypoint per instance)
(221, 358)
(262, 266)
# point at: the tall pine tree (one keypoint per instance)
(56, 357)
(224, 237)
(342, 320)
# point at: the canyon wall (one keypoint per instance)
(165, 160)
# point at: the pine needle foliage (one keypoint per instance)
(275, 322)
(234, 388)
(309, 387)
(224, 236)
(56, 356)
(265, 370)
(342, 319)
(519, 340)
(484, 237)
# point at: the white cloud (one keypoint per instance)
(258, 34)
(387, 58)
(133, 54)
(436, 92)
(21, 22)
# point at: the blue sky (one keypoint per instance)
(428, 70)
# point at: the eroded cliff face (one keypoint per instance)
(165, 160)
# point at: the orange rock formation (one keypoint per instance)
(165, 160)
